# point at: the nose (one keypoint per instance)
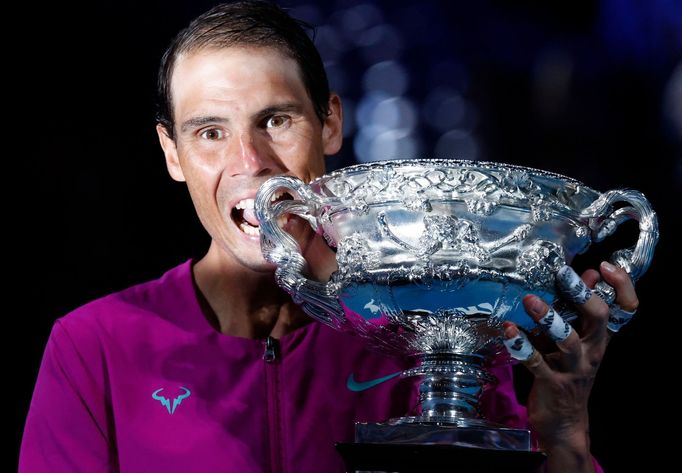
(255, 158)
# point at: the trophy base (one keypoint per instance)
(469, 433)
(414, 458)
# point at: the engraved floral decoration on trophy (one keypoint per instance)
(539, 263)
(354, 258)
(455, 330)
(482, 189)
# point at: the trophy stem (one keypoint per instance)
(450, 389)
(451, 386)
(449, 395)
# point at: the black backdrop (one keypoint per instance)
(96, 211)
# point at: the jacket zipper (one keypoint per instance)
(272, 356)
(271, 349)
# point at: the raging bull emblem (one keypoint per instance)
(176, 401)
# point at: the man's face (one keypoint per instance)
(242, 115)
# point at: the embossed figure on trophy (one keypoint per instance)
(457, 234)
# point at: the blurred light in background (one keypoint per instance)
(672, 102)
(386, 76)
(448, 73)
(551, 76)
(386, 123)
(330, 43)
(394, 113)
(393, 108)
(490, 80)
(337, 76)
(380, 43)
(357, 19)
(457, 144)
(445, 109)
(672, 114)
(348, 117)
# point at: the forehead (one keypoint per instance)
(248, 76)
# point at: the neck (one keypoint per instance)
(242, 302)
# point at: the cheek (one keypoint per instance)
(203, 179)
(202, 195)
(300, 135)
(200, 164)
(304, 156)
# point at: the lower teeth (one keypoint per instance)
(248, 229)
(255, 231)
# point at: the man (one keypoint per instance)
(212, 367)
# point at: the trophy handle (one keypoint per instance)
(603, 221)
(317, 299)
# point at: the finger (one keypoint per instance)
(572, 286)
(626, 297)
(520, 348)
(574, 290)
(566, 339)
(626, 303)
(591, 277)
(594, 311)
(618, 317)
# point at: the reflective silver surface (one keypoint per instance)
(433, 255)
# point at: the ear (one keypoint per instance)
(332, 128)
(171, 153)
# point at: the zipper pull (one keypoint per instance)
(271, 349)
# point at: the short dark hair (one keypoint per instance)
(246, 23)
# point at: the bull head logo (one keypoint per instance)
(176, 401)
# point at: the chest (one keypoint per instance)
(202, 406)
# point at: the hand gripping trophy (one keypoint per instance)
(433, 256)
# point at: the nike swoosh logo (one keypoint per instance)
(357, 386)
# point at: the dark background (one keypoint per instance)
(592, 90)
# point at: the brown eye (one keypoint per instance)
(212, 134)
(277, 121)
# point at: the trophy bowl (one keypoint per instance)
(433, 256)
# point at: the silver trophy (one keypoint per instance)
(433, 256)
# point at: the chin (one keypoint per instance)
(252, 259)
(262, 266)
(244, 248)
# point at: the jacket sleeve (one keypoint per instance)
(502, 406)
(67, 426)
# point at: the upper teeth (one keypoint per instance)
(249, 203)
(277, 195)
(244, 204)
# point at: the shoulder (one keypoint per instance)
(123, 310)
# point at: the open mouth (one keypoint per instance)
(244, 216)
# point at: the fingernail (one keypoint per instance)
(536, 306)
(608, 267)
(510, 330)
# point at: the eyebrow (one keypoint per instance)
(289, 107)
(196, 122)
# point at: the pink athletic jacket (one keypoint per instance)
(139, 381)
